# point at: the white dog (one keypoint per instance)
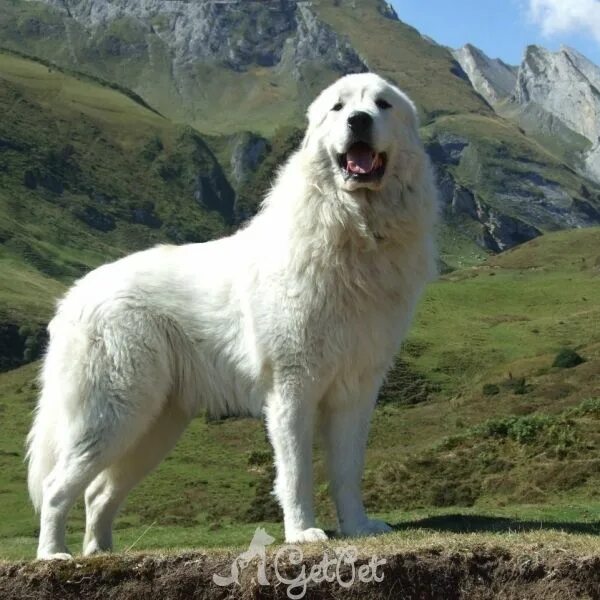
(297, 316)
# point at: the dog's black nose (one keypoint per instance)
(360, 122)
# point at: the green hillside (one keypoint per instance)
(111, 141)
(87, 174)
(254, 67)
(217, 96)
(474, 419)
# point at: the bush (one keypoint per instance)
(567, 359)
(517, 385)
(490, 389)
(259, 458)
(520, 429)
(152, 149)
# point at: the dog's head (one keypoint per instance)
(364, 129)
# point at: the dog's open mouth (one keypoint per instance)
(361, 163)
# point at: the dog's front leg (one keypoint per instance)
(345, 427)
(290, 422)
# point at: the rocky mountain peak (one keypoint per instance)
(236, 34)
(491, 77)
(388, 11)
(550, 93)
(565, 85)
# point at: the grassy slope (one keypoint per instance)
(207, 96)
(413, 565)
(71, 136)
(218, 100)
(400, 53)
(426, 458)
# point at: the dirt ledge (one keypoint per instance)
(480, 573)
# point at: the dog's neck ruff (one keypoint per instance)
(346, 233)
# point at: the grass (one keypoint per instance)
(524, 458)
(400, 53)
(221, 101)
(62, 210)
(412, 564)
(26, 294)
(81, 161)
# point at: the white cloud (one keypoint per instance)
(567, 16)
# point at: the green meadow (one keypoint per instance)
(476, 431)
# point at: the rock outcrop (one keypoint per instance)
(491, 77)
(566, 85)
(238, 35)
(552, 93)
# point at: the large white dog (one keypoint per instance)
(296, 317)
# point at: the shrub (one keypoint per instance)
(152, 148)
(517, 385)
(567, 359)
(588, 407)
(259, 458)
(520, 429)
(490, 389)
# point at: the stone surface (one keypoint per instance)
(556, 92)
(492, 78)
(233, 34)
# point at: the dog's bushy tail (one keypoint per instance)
(41, 452)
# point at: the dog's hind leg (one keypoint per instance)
(104, 496)
(98, 424)
(98, 442)
(61, 487)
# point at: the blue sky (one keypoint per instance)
(502, 28)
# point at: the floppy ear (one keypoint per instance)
(315, 116)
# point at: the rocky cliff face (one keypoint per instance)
(234, 34)
(243, 72)
(492, 78)
(566, 85)
(552, 93)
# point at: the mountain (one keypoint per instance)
(490, 77)
(567, 86)
(555, 96)
(242, 73)
(88, 173)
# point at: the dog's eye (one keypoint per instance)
(383, 104)
(337, 107)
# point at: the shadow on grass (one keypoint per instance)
(458, 523)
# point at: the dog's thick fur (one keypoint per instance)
(297, 316)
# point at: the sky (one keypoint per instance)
(503, 28)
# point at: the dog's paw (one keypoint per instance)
(305, 536)
(371, 527)
(93, 547)
(54, 556)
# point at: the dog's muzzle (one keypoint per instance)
(361, 163)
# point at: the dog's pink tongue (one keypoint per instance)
(360, 159)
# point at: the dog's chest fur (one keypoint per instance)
(342, 305)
